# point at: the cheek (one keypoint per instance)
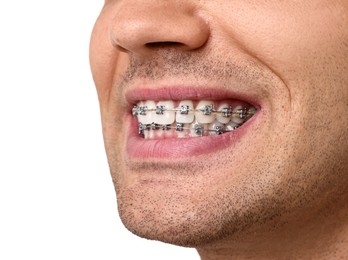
(103, 59)
(305, 44)
(286, 36)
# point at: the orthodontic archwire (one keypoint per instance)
(197, 128)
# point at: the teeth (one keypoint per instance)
(185, 114)
(184, 132)
(216, 128)
(204, 112)
(231, 126)
(168, 133)
(224, 117)
(164, 113)
(251, 112)
(238, 117)
(169, 119)
(198, 129)
(150, 134)
(179, 127)
(145, 116)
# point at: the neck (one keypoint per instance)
(323, 236)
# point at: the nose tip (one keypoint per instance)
(142, 27)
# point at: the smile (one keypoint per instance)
(187, 118)
(177, 123)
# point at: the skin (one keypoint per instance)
(280, 191)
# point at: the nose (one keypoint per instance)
(140, 26)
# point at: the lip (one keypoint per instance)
(139, 148)
(188, 93)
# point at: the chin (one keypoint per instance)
(177, 220)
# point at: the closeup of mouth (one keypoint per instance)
(176, 123)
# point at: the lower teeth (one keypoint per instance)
(180, 130)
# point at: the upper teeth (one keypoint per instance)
(164, 112)
(185, 113)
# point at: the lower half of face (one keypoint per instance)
(189, 176)
(265, 179)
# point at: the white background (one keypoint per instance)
(56, 196)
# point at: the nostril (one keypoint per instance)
(163, 44)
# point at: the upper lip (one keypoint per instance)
(188, 93)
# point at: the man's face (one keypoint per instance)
(288, 60)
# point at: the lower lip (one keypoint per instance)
(176, 148)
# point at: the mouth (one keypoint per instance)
(171, 126)
(188, 118)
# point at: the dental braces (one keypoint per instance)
(242, 113)
(197, 128)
